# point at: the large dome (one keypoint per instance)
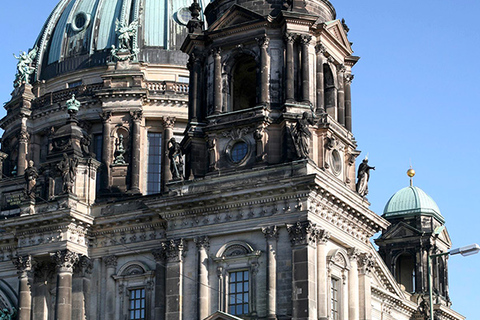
(411, 201)
(80, 33)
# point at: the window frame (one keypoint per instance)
(229, 293)
(338, 266)
(144, 298)
(158, 174)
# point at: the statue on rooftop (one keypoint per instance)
(24, 66)
(125, 33)
(363, 176)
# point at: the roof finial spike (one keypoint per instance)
(411, 174)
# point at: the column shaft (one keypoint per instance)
(305, 40)
(217, 61)
(23, 139)
(289, 74)
(111, 265)
(64, 296)
(203, 290)
(320, 79)
(272, 279)
(135, 165)
(322, 283)
(106, 152)
(353, 291)
(264, 70)
(24, 297)
(174, 280)
(341, 98)
(348, 101)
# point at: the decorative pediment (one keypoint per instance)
(336, 30)
(219, 315)
(401, 230)
(445, 237)
(235, 16)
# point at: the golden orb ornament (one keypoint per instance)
(411, 173)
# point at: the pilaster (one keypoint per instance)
(320, 54)
(289, 75)
(322, 274)
(203, 243)
(81, 289)
(160, 289)
(263, 43)
(341, 95)
(111, 267)
(348, 101)
(217, 81)
(174, 279)
(136, 117)
(365, 266)
(353, 289)
(305, 43)
(271, 235)
(107, 151)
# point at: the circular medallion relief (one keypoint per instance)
(80, 21)
(336, 162)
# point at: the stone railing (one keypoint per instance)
(63, 95)
(165, 87)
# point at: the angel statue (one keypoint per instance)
(24, 66)
(125, 33)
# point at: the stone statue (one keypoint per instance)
(125, 33)
(120, 159)
(31, 175)
(176, 160)
(24, 66)
(301, 135)
(363, 176)
(68, 170)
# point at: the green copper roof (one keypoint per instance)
(411, 201)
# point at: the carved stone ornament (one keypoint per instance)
(110, 261)
(305, 39)
(366, 263)
(202, 242)
(136, 116)
(322, 236)
(235, 134)
(349, 78)
(65, 260)
(23, 136)
(263, 41)
(271, 232)
(169, 122)
(84, 266)
(320, 49)
(73, 105)
(174, 249)
(301, 135)
(106, 116)
(23, 263)
(303, 233)
(330, 143)
(290, 37)
(68, 170)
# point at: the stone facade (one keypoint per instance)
(230, 197)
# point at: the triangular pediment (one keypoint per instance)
(219, 315)
(382, 277)
(337, 32)
(445, 237)
(234, 17)
(401, 230)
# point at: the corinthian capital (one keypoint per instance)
(111, 261)
(305, 39)
(202, 242)
(290, 37)
(169, 122)
(23, 263)
(303, 233)
(349, 78)
(136, 115)
(65, 260)
(263, 41)
(271, 233)
(366, 263)
(174, 249)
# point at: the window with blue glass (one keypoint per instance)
(239, 151)
(137, 308)
(238, 299)
(154, 171)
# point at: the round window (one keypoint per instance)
(336, 161)
(239, 151)
(81, 21)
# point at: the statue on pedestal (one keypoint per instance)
(363, 176)
(176, 159)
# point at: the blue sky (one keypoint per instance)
(415, 98)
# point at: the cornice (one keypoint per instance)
(401, 305)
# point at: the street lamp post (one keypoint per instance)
(464, 251)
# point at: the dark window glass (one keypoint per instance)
(239, 151)
(154, 162)
(238, 292)
(136, 308)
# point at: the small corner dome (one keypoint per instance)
(411, 201)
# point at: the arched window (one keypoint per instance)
(244, 83)
(405, 271)
(329, 90)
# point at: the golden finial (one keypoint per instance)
(411, 174)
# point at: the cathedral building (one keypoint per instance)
(170, 159)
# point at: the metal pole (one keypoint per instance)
(430, 295)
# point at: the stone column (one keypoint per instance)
(353, 290)
(365, 266)
(136, 145)
(195, 67)
(263, 43)
(160, 289)
(217, 81)
(81, 289)
(303, 238)
(3, 156)
(23, 138)
(111, 265)
(65, 261)
(341, 95)
(320, 50)
(271, 235)
(203, 244)
(305, 41)
(322, 277)
(348, 101)
(168, 123)
(290, 69)
(24, 268)
(106, 150)
(174, 279)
